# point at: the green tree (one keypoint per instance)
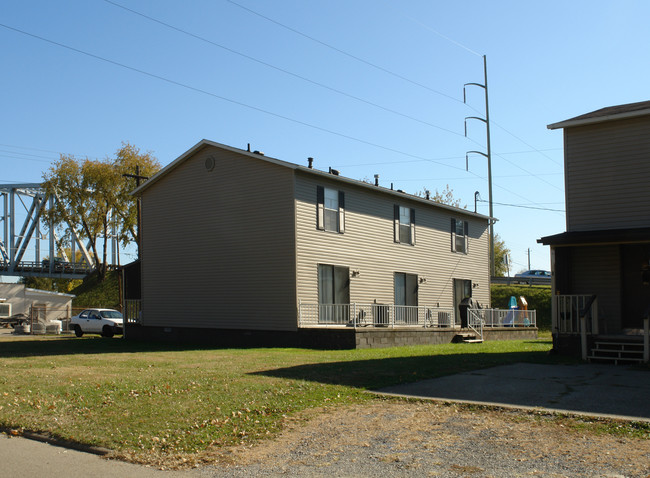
(92, 195)
(130, 160)
(500, 254)
(48, 283)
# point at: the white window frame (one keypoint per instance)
(459, 236)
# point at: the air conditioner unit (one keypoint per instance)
(444, 319)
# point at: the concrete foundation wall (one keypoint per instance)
(343, 338)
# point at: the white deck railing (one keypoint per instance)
(506, 317)
(477, 319)
(374, 315)
(390, 315)
(132, 311)
(567, 311)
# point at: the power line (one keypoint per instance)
(455, 158)
(223, 98)
(343, 52)
(32, 149)
(35, 157)
(295, 75)
(401, 77)
(525, 207)
(441, 35)
(239, 103)
(477, 54)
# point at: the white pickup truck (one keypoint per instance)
(106, 322)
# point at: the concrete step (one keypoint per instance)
(614, 360)
(617, 352)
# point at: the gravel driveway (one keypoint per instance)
(428, 439)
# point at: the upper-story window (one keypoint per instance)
(331, 209)
(459, 235)
(404, 225)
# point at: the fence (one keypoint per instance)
(507, 317)
(390, 315)
(374, 315)
(133, 311)
(568, 309)
(43, 320)
(478, 319)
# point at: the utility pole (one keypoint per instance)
(139, 207)
(488, 156)
(529, 258)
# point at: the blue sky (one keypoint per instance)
(366, 87)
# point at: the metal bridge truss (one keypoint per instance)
(24, 205)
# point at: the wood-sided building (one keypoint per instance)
(238, 244)
(601, 264)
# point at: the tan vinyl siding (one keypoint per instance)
(368, 246)
(607, 170)
(218, 247)
(596, 270)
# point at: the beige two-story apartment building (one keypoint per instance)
(601, 264)
(238, 244)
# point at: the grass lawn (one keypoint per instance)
(139, 398)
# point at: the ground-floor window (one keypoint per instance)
(406, 298)
(333, 294)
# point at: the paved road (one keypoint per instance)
(591, 389)
(21, 457)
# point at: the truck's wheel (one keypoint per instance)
(77, 331)
(108, 331)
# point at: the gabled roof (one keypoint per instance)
(261, 157)
(630, 110)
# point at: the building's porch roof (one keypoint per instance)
(600, 237)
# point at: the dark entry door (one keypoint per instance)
(635, 293)
(462, 290)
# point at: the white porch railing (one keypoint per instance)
(567, 312)
(132, 309)
(374, 315)
(507, 317)
(390, 315)
(477, 319)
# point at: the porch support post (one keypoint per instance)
(646, 341)
(583, 337)
(299, 312)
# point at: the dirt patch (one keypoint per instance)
(429, 439)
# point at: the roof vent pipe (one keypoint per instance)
(249, 147)
(376, 179)
(311, 162)
(427, 193)
(391, 186)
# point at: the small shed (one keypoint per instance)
(43, 305)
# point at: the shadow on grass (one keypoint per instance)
(25, 347)
(383, 372)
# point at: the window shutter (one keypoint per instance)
(320, 207)
(466, 232)
(413, 226)
(453, 235)
(396, 223)
(341, 212)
